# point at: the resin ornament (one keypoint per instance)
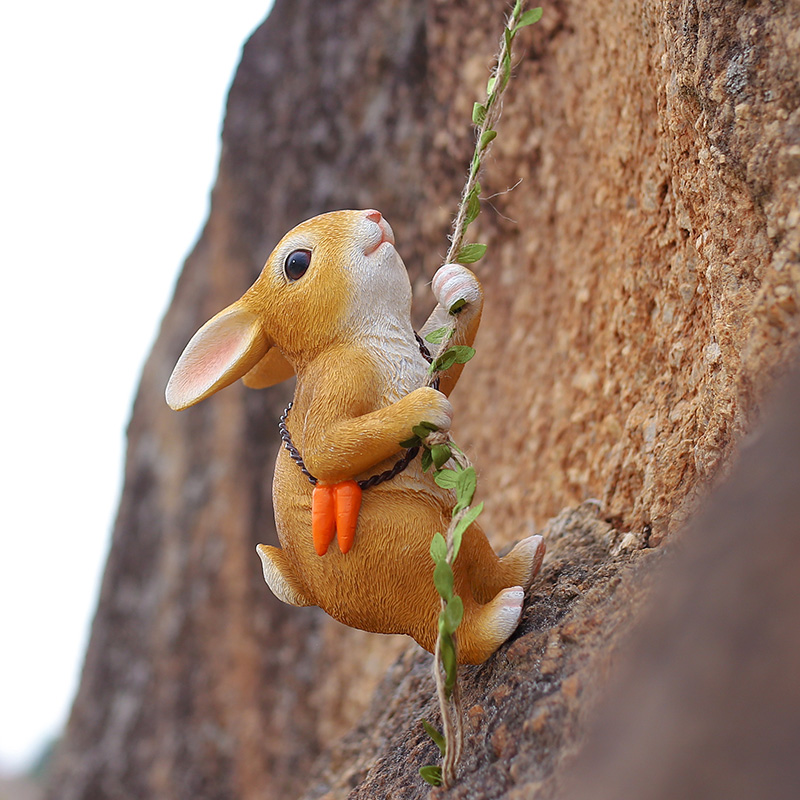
(355, 513)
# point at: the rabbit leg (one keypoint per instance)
(280, 578)
(522, 564)
(487, 574)
(485, 627)
(493, 590)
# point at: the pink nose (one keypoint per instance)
(383, 226)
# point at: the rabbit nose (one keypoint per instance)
(387, 234)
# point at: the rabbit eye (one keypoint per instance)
(296, 264)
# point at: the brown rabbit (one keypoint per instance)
(332, 305)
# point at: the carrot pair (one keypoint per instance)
(334, 512)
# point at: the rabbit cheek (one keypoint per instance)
(310, 313)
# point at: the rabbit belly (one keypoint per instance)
(384, 583)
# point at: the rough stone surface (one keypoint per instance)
(641, 297)
(706, 703)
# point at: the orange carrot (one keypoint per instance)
(323, 518)
(348, 504)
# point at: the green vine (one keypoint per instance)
(451, 468)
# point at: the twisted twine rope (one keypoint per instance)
(493, 110)
(452, 710)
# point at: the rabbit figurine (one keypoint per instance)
(332, 306)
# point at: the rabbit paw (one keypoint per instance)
(452, 283)
(431, 406)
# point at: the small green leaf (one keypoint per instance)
(463, 353)
(478, 113)
(465, 488)
(509, 36)
(528, 18)
(443, 580)
(438, 548)
(423, 429)
(437, 737)
(431, 775)
(476, 163)
(452, 615)
(470, 253)
(457, 306)
(440, 453)
(446, 478)
(447, 650)
(473, 202)
(491, 84)
(506, 68)
(458, 354)
(445, 361)
(414, 441)
(427, 460)
(439, 335)
(462, 525)
(487, 137)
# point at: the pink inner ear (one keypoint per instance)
(223, 350)
(220, 355)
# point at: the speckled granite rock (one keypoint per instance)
(706, 701)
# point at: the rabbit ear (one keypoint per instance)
(227, 347)
(273, 368)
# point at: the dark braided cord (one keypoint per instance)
(294, 453)
(374, 480)
(390, 473)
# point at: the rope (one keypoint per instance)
(493, 110)
(451, 709)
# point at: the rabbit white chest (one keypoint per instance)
(400, 362)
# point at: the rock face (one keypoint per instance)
(641, 296)
(706, 703)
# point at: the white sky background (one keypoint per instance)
(109, 140)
